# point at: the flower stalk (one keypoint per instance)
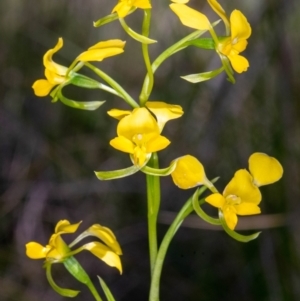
(114, 85)
(153, 201)
(183, 213)
(146, 89)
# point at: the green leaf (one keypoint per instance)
(117, 174)
(159, 172)
(106, 19)
(89, 83)
(76, 270)
(201, 213)
(180, 45)
(201, 77)
(110, 18)
(83, 81)
(53, 94)
(106, 290)
(62, 291)
(235, 235)
(204, 43)
(82, 105)
(135, 35)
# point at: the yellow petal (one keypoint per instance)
(240, 28)
(219, 11)
(64, 226)
(98, 54)
(144, 4)
(109, 44)
(216, 199)
(48, 62)
(241, 186)
(188, 173)
(247, 209)
(239, 63)
(239, 46)
(164, 112)
(190, 17)
(42, 87)
(124, 6)
(264, 169)
(59, 248)
(122, 144)
(36, 251)
(106, 235)
(122, 9)
(118, 114)
(230, 217)
(54, 78)
(140, 121)
(104, 253)
(155, 142)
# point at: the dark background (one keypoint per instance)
(49, 152)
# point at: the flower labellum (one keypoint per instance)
(139, 135)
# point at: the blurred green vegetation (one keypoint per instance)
(49, 152)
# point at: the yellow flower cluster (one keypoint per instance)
(242, 195)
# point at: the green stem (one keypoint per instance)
(161, 58)
(74, 67)
(181, 44)
(93, 290)
(183, 213)
(173, 49)
(146, 90)
(155, 283)
(214, 36)
(153, 197)
(114, 85)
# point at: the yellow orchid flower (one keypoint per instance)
(124, 6)
(139, 135)
(237, 42)
(242, 196)
(238, 30)
(57, 250)
(57, 74)
(189, 173)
